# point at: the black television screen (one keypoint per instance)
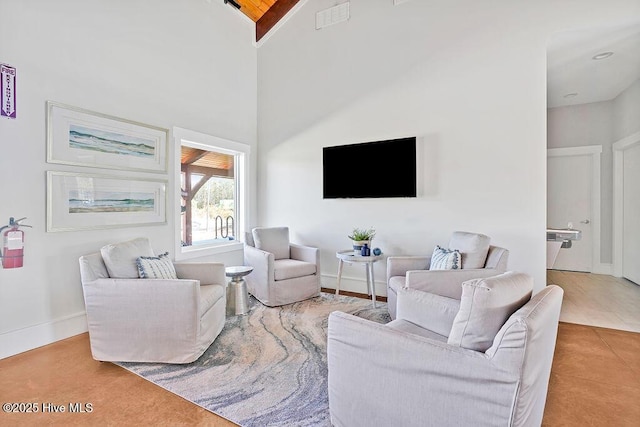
(370, 170)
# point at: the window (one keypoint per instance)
(212, 177)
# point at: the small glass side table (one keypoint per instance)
(237, 295)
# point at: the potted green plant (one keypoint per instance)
(360, 236)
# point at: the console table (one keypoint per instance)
(348, 256)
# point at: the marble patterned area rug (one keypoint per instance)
(268, 368)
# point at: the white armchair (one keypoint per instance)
(479, 260)
(283, 272)
(483, 360)
(150, 320)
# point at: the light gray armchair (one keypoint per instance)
(483, 360)
(479, 259)
(150, 320)
(283, 272)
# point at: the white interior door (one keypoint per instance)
(569, 189)
(631, 215)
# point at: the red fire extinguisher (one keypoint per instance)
(13, 244)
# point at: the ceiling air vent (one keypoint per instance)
(333, 15)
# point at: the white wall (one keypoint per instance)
(467, 77)
(162, 62)
(626, 109)
(583, 124)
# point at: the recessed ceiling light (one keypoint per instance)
(571, 95)
(603, 55)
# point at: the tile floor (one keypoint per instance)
(595, 378)
(598, 300)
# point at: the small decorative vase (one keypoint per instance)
(365, 251)
(358, 244)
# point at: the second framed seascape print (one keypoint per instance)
(86, 201)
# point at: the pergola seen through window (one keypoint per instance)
(208, 205)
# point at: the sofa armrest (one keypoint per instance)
(208, 273)
(369, 363)
(262, 263)
(446, 283)
(497, 259)
(305, 253)
(399, 265)
(259, 281)
(130, 317)
(143, 298)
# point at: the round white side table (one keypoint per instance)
(349, 257)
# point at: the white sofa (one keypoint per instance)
(151, 320)
(482, 360)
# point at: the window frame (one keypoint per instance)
(241, 152)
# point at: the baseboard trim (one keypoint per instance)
(352, 284)
(603, 269)
(25, 339)
(353, 294)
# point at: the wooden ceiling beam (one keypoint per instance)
(272, 16)
(206, 171)
(195, 156)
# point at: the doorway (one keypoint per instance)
(573, 201)
(626, 199)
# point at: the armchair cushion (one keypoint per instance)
(209, 295)
(426, 310)
(120, 258)
(413, 329)
(445, 259)
(272, 239)
(292, 268)
(156, 267)
(485, 306)
(473, 247)
(397, 282)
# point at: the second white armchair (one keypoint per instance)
(479, 260)
(283, 272)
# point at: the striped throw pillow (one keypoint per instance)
(445, 259)
(156, 267)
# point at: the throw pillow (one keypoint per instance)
(120, 258)
(272, 239)
(445, 259)
(473, 247)
(158, 267)
(485, 306)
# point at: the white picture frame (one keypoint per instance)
(79, 201)
(85, 138)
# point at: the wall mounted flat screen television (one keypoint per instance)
(370, 170)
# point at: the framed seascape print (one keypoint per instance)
(85, 201)
(84, 138)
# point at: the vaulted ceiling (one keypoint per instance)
(265, 13)
(572, 77)
(254, 9)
